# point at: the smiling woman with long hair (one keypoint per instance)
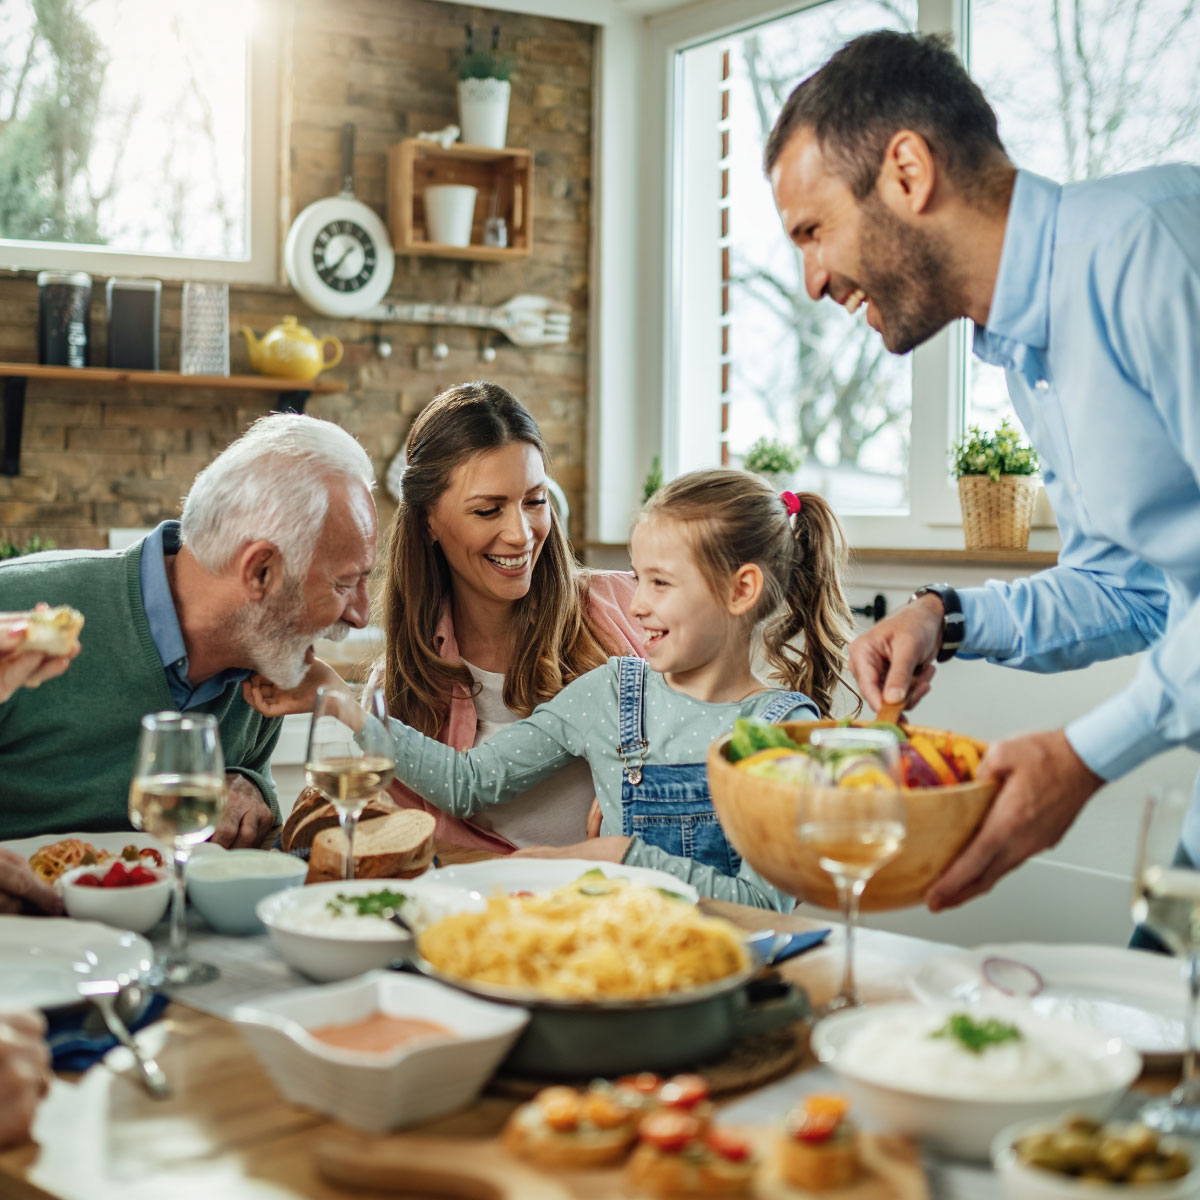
(485, 612)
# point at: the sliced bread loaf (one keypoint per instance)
(398, 845)
(313, 814)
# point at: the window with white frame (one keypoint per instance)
(130, 131)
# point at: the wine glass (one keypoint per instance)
(178, 794)
(853, 820)
(351, 755)
(1166, 901)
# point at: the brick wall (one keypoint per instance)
(95, 457)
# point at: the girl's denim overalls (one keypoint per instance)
(669, 806)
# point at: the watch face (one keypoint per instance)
(344, 256)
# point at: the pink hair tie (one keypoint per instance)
(791, 502)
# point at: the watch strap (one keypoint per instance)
(954, 623)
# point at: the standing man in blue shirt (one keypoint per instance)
(890, 176)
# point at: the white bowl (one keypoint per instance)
(1021, 1182)
(225, 887)
(325, 947)
(960, 1120)
(138, 908)
(380, 1092)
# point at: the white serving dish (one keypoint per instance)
(326, 948)
(380, 1092)
(505, 875)
(964, 1125)
(226, 885)
(1021, 1182)
(138, 908)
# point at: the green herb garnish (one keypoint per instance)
(670, 895)
(977, 1036)
(371, 904)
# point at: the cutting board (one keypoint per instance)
(480, 1169)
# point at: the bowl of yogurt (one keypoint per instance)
(955, 1077)
(336, 930)
(225, 887)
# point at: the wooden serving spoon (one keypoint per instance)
(889, 714)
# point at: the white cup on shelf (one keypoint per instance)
(449, 213)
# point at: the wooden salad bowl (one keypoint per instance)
(759, 817)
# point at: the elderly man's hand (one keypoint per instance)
(893, 661)
(24, 1073)
(20, 888)
(26, 669)
(247, 819)
(1043, 786)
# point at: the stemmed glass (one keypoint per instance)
(854, 825)
(351, 755)
(178, 794)
(1166, 900)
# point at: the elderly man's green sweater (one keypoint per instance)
(67, 748)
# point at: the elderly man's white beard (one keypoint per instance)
(266, 634)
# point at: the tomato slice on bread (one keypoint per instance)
(669, 1130)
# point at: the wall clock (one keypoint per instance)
(338, 253)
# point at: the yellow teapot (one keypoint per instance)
(290, 351)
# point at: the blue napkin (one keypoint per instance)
(72, 1049)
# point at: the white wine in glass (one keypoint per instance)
(853, 824)
(351, 755)
(1166, 901)
(178, 795)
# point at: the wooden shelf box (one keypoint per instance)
(415, 163)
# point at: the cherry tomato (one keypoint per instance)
(684, 1091)
(728, 1145)
(140, 875)
(645, 1082)
(118, 876)
(86, 880)
(669, 1131)
(814, 1127)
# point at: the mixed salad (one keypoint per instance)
(927, 759)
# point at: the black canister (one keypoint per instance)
(64, 318)
(132, 308)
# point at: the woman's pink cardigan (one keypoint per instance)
(609, 594)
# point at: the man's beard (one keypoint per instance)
(906, 275)
(268, 634)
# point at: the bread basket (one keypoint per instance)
(759, 817)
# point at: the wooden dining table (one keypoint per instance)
(225, 1133)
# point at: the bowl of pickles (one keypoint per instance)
(1078, 1156)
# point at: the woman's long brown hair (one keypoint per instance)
(732, 518)
(553, 638)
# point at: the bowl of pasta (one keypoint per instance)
(618, 977)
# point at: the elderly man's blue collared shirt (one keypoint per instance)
(164, 623)
(1096, 319)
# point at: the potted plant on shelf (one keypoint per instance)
(997, 477)
(773, 460)
(483, 92)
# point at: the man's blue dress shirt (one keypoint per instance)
(164, 623)
(1096, 320)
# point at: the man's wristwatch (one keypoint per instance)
(954, 624)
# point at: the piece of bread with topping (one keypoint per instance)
(818, 1146)
(562, 1127)
(51, 631)
(677, 1155)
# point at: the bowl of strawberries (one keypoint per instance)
(127, 894)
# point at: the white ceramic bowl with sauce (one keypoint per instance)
(226, 886)
(1019, 1181)
(325, 945)
(139, 907)
(1080, 1069)
(380, 1091)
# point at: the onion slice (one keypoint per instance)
(1012, 977)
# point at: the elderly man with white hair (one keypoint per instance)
(273, 552)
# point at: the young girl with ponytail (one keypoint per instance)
(720, 561)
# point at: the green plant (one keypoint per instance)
(993, 454)
(484, 63)
(12, 550)
(771, 456)
(654, 479)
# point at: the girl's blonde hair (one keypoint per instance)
(553, 641)
(732, 518)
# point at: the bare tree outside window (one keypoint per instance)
(1084, 88)
(123, 124)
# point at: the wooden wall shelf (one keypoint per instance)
(292, 394)
(415, 163)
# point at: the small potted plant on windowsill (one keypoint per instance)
(773, 460)
(483, 92)
(997, 477)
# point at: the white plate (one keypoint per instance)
(43, 959)
(541, 874)
(1133, 994)
(114, 843)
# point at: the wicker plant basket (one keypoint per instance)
(997, 513)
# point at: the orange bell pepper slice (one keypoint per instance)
(928, 751)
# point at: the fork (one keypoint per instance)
(524, 320)
(103, 994)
